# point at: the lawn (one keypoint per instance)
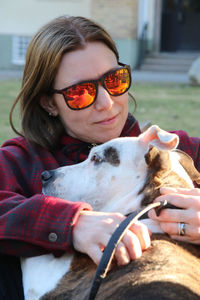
(169, 106)
(8, 92)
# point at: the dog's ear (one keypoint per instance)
(154, 136)
(187, 163)
(158, 159)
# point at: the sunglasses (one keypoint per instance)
(84, 94)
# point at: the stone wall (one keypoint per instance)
(119, 17)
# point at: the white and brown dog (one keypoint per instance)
(121, 175)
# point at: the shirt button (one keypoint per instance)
(53, 237)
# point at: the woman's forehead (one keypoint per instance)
(85, 64)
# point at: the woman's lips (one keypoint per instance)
(107, 121)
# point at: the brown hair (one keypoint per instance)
(44, 53)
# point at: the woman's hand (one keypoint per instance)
(94, 229)
(188, 200)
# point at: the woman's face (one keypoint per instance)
(103, 120)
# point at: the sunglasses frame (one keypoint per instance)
(96, 83)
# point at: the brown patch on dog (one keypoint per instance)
(160, 174)
(111, 155)
(165, 271)
(76, 283)
(188, 164)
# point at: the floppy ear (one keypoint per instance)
(161, 139)
(48, 104)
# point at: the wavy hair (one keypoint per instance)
(44, 53)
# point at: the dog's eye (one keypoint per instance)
(96, 158)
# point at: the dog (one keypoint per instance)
(121, 175)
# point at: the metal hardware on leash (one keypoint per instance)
(109, 251)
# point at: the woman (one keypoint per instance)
(74, 94)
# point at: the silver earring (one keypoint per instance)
(52, 114)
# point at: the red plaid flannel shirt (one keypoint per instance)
(27, 217)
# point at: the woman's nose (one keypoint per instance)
(104, 100)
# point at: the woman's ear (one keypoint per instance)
(48, 104)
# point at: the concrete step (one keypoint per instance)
(169, 62)
(164, 61)
(176, 55)
(165, 68)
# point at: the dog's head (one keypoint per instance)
(115, 175)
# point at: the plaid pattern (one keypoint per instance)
(26, 216)
(190, 145)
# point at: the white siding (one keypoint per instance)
(24, 17)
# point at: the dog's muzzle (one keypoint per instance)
(46, 176)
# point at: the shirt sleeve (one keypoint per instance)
(37, 225)
(190, 145)
(32, 223)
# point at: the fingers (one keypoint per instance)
(189, 211)
(187, 202)
(95, 253)
(122, 255)
(94, 229)
(169, 215)
(135, 240)
(186, 199)
(142, 234)
(167, 190)
(192, 232)
(129, 248)
(183, 198)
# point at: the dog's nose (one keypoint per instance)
(46, 175)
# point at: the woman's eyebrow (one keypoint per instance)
(92, 79)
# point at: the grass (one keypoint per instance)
(170, 106)
(8, 92)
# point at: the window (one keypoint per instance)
(19, 47)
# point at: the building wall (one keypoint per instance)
(24, 17)
(5, 51)
(120, 18)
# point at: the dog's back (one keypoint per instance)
(167, 270)
(128, 173)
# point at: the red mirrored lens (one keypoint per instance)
(81, 95)
(118, 82)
